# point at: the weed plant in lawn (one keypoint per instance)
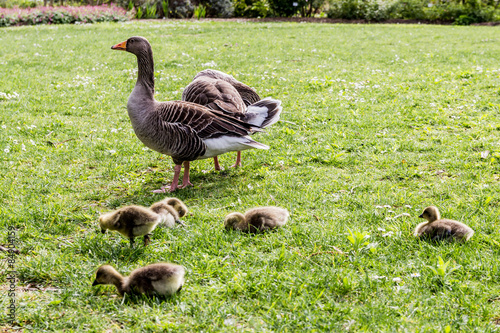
(379, 121)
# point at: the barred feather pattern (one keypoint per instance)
(178, 128)
(247, 94)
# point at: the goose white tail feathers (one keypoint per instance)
(263, 113)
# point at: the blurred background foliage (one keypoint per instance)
(461, 12)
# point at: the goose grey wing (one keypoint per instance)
(202, 121)
(215, 94)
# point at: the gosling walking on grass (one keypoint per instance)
(438, 229)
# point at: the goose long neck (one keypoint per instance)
(118, 280)
(146, 75)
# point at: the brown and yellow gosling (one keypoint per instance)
(440, 229)
(162, 279)
(171, 211)
(257, 219)
(131, 221)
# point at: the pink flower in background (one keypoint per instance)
(62, 14)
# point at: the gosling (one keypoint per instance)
(171, 210)
(162, 279)
(257, 219)
(131, 221)
(440, 229)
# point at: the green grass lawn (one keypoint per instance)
(378, 120)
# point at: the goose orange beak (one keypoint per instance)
(120, 46)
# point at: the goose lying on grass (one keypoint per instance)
(257, 219)
(162, 279)
(440, 229)
(183, 130)
(222, 92)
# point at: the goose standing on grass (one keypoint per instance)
(438, 229)
(183, 130)
(162, 279)
(222, 92)
(257, 219)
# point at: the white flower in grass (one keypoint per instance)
(209, 64)
(377, 277)
(112, 151)
(145, 149)
(7, 150)
(388, 234)
(114, 130)
(4, 127)
(33, 142)
(397, 279)
(23, 147)
(414, 275)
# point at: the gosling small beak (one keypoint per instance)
(421, 216)
(103, 231)
(181, 223)
(95, 283)
(120, 46)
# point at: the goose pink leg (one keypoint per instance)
(238, 161)
(216, 164)
(175, 181)
(185, 178)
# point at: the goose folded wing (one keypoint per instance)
(215, 94)
(204, 122)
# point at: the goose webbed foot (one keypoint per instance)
(238, 161)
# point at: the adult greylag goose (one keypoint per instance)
(222, 92)
(162, 279)
(257, 219)
(183, 130)
(437, 228)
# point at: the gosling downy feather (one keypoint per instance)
(438, 229)
(162, 279)
(257, 219)
(131, 221)
(171, 210)
(222, 92)
(183, 130)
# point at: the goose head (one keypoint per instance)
(178, 205)
(110, 221)
(431, 214)
(233, 220)
(106, 274)
(136, 45)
